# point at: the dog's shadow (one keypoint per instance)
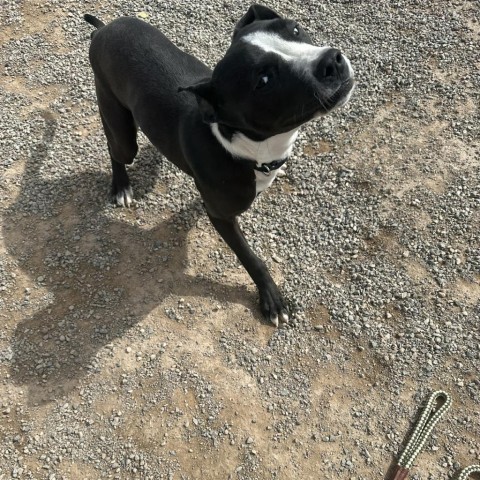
(101, 275)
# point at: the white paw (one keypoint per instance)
(282, 318)
(124, 198)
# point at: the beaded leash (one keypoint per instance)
(429, 418)
(467, 471)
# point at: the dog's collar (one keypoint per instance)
(266, 168)
(248, 148)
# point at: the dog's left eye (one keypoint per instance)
(296, 30)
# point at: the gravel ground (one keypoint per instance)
(131, 345)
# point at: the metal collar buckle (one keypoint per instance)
(267, 168)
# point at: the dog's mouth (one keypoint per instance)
(321, 105)
(342, 95)
(339, 98)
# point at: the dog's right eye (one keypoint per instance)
(262, 81)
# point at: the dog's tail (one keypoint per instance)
(93, 21)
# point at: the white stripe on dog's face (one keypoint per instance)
(303, 56)
(299, 54)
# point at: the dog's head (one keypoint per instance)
(272, 78)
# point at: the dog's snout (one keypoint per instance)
(332, 65)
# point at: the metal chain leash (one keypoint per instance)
(424, 427)
(466, 472)
(429, 418)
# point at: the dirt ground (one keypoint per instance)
(93, 384)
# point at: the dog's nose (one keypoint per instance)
(332, 65)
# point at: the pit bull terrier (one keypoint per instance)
(232, 128)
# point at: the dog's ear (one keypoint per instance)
(255, 12)
(206, 99)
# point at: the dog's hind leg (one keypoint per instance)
(121, 133)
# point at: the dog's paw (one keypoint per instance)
(124, 197)
(273, 306)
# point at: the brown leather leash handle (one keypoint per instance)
(399, 473)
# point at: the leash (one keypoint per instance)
(429, 418)
(423, 429)
(467, 471)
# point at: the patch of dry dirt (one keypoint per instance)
(158, 369)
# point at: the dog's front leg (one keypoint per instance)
(272, 303)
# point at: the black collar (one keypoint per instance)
(265, 168)
(228, 132)
(268, 167)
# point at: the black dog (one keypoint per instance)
(230, 129)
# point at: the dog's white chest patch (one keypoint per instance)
(263, 152)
